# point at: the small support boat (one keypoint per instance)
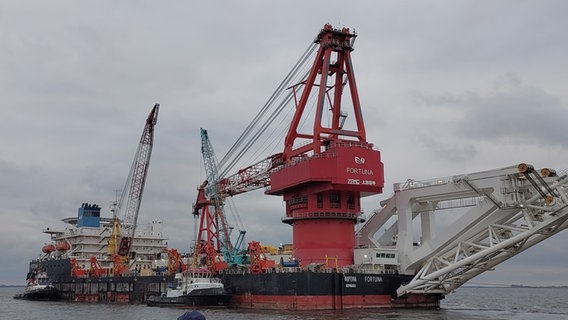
(193, 287)
(39, 288)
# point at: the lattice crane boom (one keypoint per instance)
(250, 178)
(211, 192)
(211, 168)
(214, 234)
(129, 204)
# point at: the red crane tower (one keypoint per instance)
(322, 174)
(323, 180)
(208, 242)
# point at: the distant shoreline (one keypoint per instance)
(512, 286)
(11, 285)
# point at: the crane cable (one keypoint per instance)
(281, 129)
(255, 122)
(292, 77)
(235, 154)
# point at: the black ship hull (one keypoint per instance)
(43, 294)
(308, 290)
(298, 290)
(198, 299)
(132, 289)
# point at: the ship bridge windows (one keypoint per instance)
(350, 201)
(298, 202)
(298, 199)
(385, 255)
(334, 200)
(378, 259)
(320, 200)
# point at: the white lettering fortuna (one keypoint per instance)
(359, 171)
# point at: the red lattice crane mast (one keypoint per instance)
(208, 242)
(129, 204)
(322, 174)
(213, 237)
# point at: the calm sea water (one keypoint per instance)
(464, 304)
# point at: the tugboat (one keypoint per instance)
(192, 287)
(39, 288)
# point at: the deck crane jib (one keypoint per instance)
(128, 206)
(214, 234)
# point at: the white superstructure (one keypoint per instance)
(91, 239)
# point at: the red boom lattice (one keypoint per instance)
(333, 76)
(136, 182)
(208, 244)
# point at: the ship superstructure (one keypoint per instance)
(110, 259)
(87, 235)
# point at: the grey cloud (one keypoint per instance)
(510, 111)
(519, 113)
(449, 151)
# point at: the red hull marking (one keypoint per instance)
(122, 297)
(416, 300)
(111, 297)
(248, 301)
(86, 297)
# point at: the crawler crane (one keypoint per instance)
(126, 215)
(214, 235)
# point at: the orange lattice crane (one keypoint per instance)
(258, 261)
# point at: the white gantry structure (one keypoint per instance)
(498, 214)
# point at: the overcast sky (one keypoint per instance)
(447, 87)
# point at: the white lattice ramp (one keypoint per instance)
(504, 212)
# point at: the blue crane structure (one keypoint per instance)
(214, 234)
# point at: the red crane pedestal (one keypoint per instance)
(322, 196)
(317, 240)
